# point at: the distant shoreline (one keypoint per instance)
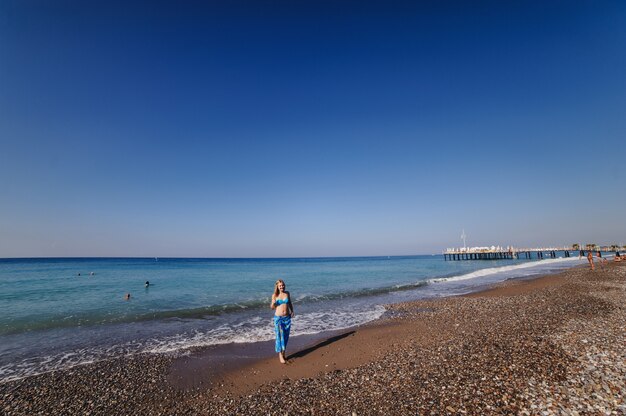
(217, 258)
(378, 256)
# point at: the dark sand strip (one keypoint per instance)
(551, 345)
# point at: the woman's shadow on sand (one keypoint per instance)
(306, 351)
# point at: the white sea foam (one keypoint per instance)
(533, 267)
(253, 329)
(261, 329)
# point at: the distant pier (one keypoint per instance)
(510, 253)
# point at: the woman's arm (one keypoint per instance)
(273, 304)
(290, 305)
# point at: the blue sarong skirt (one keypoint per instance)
(282, 326)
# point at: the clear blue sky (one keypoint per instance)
(309, 128)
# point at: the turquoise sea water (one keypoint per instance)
(64, 312)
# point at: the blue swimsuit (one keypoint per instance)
(282, 326)
(281, 301)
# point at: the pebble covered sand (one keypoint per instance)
(558, 349)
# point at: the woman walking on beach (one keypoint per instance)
(281, 302)
(590, 259)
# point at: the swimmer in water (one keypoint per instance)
(127, 297)
(147, 283)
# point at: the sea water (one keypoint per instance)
(62, 312)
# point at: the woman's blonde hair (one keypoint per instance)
(276, 291)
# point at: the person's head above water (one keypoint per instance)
(147, 283)
(279, 287)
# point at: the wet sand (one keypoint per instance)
(551, 345)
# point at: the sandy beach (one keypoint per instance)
(550, 345)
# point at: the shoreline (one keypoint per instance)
(413, 351)
(163, 336)
(258, 362)
(217, 366)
